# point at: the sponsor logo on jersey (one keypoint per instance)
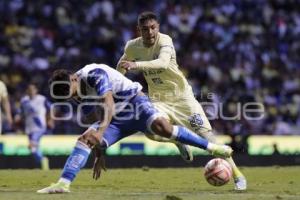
(196, 121)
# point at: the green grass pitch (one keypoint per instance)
(152, 184)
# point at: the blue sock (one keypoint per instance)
(75, 162)
(185, 136)
(37, 155)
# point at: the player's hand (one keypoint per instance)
(128, 65)
(99, 163)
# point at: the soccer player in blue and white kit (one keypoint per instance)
(126, 111)
(34, 111)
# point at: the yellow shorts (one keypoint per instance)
(188, 113)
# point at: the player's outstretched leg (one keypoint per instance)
(75, 162)
(187, 136)
(240, 181)
(39, 158)
(184, 150)
(181, 134)
(37, 154)
(34, 140)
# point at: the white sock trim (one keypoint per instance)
(174, 133)
(64, 180)
(211, 146)
(83, 146)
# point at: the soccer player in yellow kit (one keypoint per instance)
(154, 54)
(4, 103)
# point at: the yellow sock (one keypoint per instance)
(45, 163)
(235, 171)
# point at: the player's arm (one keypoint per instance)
(162, 62)
(92, 137)
(18, 116)
(107, 102)
(98, 79)
(49, 120)
(99, 162)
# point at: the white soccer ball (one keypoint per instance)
(217, 172)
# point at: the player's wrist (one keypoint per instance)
(138, 65)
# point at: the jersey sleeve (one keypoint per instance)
(162, 62)
(166, 45)
(98, 79)
(126, 54)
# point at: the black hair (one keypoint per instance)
(60, 84)
(147, 15)
(34, 83)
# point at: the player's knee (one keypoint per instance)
(83, 139)
(162, 127)
(103, 145)
(89, 139)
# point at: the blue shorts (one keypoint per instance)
(137, 116)
(35, 137)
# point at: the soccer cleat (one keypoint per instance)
(45, 163)
(55, 188)
(222, 151)
(240, 183)
(185, 152)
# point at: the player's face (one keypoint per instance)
(149, 30)
(32, 90)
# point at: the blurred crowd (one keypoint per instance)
(231, 51)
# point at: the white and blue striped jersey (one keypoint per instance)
(34, 113)
(100, 78)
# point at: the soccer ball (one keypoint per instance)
(217, 172)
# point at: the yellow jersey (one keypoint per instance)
(3, 91)
(160, 69)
